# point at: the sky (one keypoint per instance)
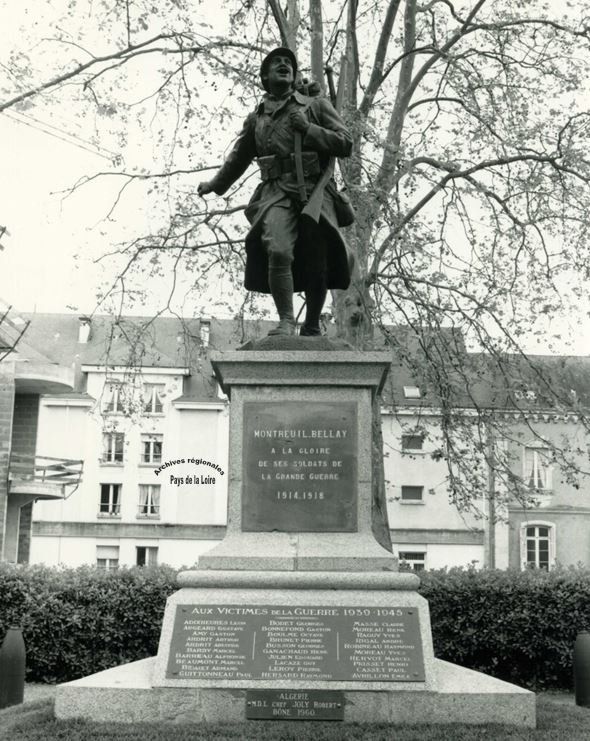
(48, 260)
(38, 270)
(48, 257)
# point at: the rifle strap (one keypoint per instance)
(299, 167)
(299, 162)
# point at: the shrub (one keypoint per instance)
(519, 626)
(79, 621)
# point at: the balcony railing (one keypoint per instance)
(111, 510)
(43, 469)
(148, 510)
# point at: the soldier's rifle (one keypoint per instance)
(313, 207)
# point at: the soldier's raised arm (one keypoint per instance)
(236, 163)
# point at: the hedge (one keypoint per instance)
(517, 626)
(79, 621)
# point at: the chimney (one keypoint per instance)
(205, 331)
(84, 329)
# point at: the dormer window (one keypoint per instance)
(205, 331)
(537, 467)
(152, 398)
(84, 330)
(113, 397)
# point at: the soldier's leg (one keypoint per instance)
(279, 233)
(315, 280)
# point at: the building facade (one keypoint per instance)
(27, 473)
(145, 418)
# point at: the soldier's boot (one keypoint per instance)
(315, 297)
(280, 279)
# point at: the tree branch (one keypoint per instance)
(406, 90)
(287, 36)
(376, 78)
(121, 54)
(453, 173)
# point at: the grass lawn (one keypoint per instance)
(558, 719)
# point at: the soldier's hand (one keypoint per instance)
(299, 120)
(204, 188)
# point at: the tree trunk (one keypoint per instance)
(352, 311)
(293, 20)
(317, 42)
(379, 518)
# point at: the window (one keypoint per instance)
(152, 398)
(107, 556)
(411, 392)
(412, 560)
(110, 500)
(146, 555)
(412, 442)
(412, 493)
(537, 544)
(112, 447)
(113, 398)
(537, 468)
(151, 448)
(149, 500)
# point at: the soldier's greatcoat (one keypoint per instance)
(268, 131)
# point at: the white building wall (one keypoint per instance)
(63, 432)
(454, 555)
(72, 551)
(438, 556)
(419, 468)
(197, 436)
(193, 431)
(190, 430)
(54, 551)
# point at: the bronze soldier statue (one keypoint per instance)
(293, 138)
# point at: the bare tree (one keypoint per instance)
(470, 176)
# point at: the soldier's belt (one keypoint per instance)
(273, 166)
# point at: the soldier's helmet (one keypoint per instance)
(281, 51)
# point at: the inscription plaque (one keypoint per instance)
(295, 704)
(299, 470)
(272, 642)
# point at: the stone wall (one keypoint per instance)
(24, 427)
(25, 533)
(24, 442)
(6, 411)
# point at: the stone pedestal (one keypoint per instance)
(306, 415)
(298, 612)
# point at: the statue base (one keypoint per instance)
(299, 613)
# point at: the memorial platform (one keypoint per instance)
(126, 695)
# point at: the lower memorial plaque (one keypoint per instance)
(273, 642)
(295, 704)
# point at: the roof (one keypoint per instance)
(13, 327)
(437, 363)
(139, 342)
